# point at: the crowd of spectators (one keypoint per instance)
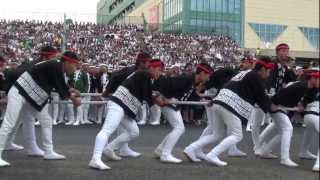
(113, 44)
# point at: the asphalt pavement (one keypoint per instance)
(77, 144)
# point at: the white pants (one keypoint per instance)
(142, 113)
(28, 130)
(225, 120)
(209, 130)
(280, 130)
(114, 118)
(70, 112)
(257, 117)
(17, 110)
(212, 133)
(86, 108)
(83, 110)
(93, 111)
(100, 113)
(55, 107)
(175, 120)
(46, 129)
(3, 110)
(155, 113)
(312, 128)
(141, 117)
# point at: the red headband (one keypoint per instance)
(48, 53)
(282, 46)
(156, 64)
(315, 74)
(205, 69)
(248, 61)
(266, 65)
(144, 59)
(2, 63)
(71, 60)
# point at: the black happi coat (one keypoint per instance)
(294, 93)
(311, 100)
(180, 87)
(133, 91)
(11, 75)
(37, 83)
(117, 78)
(280, 76)
(242, 92)
(219, 78)
(94, 83)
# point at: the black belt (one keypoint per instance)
(311, 112)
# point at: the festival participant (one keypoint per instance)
(30, 94)
(180, 87)
(123, 107)
(235, 103)
(280, 130)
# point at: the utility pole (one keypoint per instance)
(64, 35)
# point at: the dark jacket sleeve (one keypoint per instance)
(2, 82)
(99, 84)
(309, 96)
(116, 79)
(258, 87)
(11, 76)
(174, 86)
(290, 76)
(140, 85)
(147, 89)
(219, 78)
(272, 80)
(114, 82)
(86, 81)
(60, 84)
(291, 95)
(160, 86)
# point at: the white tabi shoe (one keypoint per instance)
(54, 156)
(99, 165)
(70, 123)
(35, 152)
(111, 154)
(158, 153)
(235, 152)
(128, 152)
(4, 163)
(200, 154)
(191, 154)
(88, 122)
(215, 161)
(307, 155)
(288, 162)
(170, 159)
(268, 156)
(141, 123)
(14, 147)
(155, 123)
(315, 168)
(77, 123)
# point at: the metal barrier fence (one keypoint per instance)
(175, 102)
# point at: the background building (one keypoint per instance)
(204, 16)
(113, 11)
(296, 22)
(251, 23)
